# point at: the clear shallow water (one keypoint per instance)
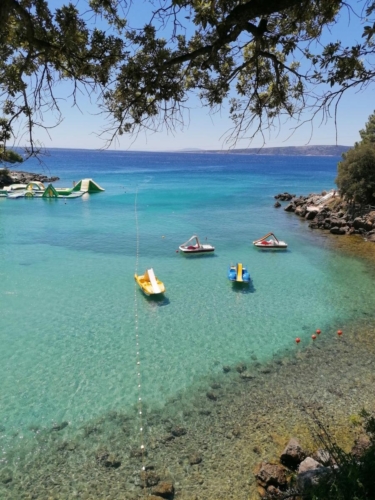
(67, 310)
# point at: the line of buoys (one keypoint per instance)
(318, 332)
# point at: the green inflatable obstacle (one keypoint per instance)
(50, 192)
(87, 186)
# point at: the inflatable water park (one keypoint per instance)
(36, 189)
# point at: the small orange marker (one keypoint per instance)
(339, 332)
(318, 332)
(313, 337)
(298, 340)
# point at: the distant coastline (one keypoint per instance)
(309, 150)
(279, 151)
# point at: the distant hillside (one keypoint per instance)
(288, 151)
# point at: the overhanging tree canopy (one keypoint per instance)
(247, 52)
(356, 171)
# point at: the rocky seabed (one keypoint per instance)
(208, 443)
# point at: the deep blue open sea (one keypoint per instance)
(68, 297)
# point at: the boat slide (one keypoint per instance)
(239, 272)
(151, 276)
(149, 283)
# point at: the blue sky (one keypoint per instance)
(203, 129)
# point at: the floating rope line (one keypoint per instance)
(138, 360)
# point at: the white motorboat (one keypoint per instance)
(272, 243)
(194, 246)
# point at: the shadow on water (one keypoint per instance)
(156, 300)
(243, 287)
(273, 251)
(198, 255)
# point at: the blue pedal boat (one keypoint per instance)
(238, 273)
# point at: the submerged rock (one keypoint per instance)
(241, 367)
(149, 478)
(60, 427)
(211, 395)
(6, 476)
(195, 458)
(164, 489)
(178, 431)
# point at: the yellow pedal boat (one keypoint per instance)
(149, 283)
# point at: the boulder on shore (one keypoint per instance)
(293, 454)
(271, 474)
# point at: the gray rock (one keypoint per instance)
(323, 457)
(149, 478)
(164, 489)
(337, 230)
(195, 458)
(271, 474)
(290, 208)
(311, 214)
(6, 476)
(358, 223)
(308, 464)
(59, 427)
(241, 367)
(293, 454)
(360, 445)
(301, 211)
(306, 481)
(211, 395)
(178, 431)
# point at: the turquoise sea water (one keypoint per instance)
(67, 336)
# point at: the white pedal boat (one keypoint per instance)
(272, 243)
(193, 246)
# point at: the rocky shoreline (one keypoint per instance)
(8, 177)
(299, 471)
(330, 212)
